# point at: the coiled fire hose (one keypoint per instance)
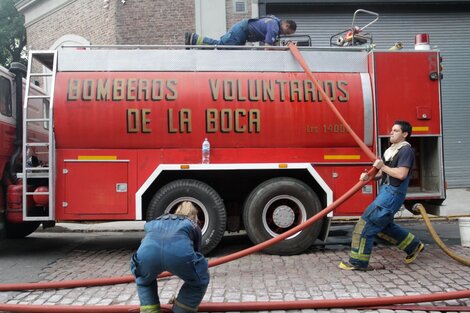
(245, 306)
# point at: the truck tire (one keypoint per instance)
(211, 210)
(20, 230)
(277, 205)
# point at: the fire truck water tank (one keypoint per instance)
(133, 108)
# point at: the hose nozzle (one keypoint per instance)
(416, 209)
(397, 46)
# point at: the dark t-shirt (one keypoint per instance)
(266, 29)
(404, 158)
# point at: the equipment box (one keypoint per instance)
(103, 183)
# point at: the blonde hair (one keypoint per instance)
(188, 209)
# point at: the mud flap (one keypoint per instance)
(325, 230)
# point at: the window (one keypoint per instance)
(239, 6)
(5, 96)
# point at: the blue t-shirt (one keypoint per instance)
(266, 29)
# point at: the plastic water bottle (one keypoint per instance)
(206, 151)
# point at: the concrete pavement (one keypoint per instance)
(457, 202)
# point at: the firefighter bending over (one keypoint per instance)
(265, 30)
(172, 243)
(377, 219)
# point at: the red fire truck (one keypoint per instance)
(118, 136)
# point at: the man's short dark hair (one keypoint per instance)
(405, 127)
(292, 25)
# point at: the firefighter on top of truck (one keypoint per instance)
(265, 30)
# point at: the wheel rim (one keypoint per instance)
(282, 213)
(202, 213)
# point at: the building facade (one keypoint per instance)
(51, 23)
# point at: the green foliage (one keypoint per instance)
(12, 34)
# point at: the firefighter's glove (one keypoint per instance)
(378, 164)
(364, 176)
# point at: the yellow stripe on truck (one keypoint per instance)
(341, 157)
(97, 157)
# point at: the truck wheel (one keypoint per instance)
(211, 210)
(277, 205)
(20, 230)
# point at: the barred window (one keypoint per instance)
(239, 6)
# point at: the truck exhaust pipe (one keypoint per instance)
(20, 72)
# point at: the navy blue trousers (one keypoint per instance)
(152, 258)
(377, 220)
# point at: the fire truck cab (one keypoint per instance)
(12, 88)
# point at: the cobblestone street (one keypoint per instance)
(261, 277)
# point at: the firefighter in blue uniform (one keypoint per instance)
(377, 219)
(265, 30)
(172, 243)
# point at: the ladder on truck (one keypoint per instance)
(38, 135)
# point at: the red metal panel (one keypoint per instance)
(179, 109)
(89, 187)
(405, 91)
(341, 179)
(92, 185)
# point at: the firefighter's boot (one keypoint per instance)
(188, 38)
(413, 255)
(153, 308)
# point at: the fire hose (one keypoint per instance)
(418, 207)
(254, 306)
(245, 306)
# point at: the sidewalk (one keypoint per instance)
(457, 202)
(119, 226)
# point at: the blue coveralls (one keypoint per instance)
(377, 220)
(265, 29)
(171, 244)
